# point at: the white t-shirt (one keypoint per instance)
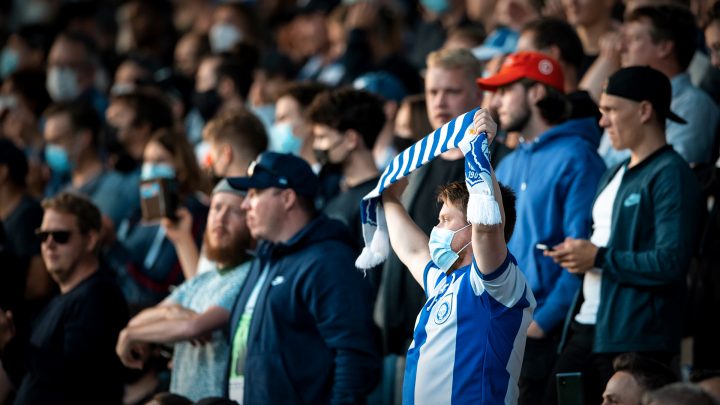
(602, 219)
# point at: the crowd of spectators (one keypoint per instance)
(180, 186)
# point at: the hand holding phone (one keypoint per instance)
(542, 246)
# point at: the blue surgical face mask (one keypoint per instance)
(283, 140)
(61, 84)
(156, 171)
(436, 6)
(57, 159)
(266, 113)
(223, 37)
(9, 61)
(440, 247)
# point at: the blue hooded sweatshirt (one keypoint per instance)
(555, 178)
(312, 339)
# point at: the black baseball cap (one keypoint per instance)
(281, 170)
(640, 83)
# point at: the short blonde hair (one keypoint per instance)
(458, 58)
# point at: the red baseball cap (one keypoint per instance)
(531, 65)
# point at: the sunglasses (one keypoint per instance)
(60, 237)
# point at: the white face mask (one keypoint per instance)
(223, 37)
(62, 84)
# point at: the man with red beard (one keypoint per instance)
(198, 309)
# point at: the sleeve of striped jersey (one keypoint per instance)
(507, 285)
(431, 276)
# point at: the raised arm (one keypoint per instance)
(179, 232)
(488, 241)
(407, 240)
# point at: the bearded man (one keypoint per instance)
(199, 308)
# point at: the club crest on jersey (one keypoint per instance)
(444, 309)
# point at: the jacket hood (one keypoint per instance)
(584, 128)
(319, 229)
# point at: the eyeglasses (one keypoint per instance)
(60, 237)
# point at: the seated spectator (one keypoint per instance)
(678, 394)
(25, 49)
(291, 132)
(198, 310)
(133, 73)
(70, 352)
(21, 214)
(131, 119)
(274, 72)
(72, 65)
(144, 260)
(411, 122)
(189, 51)
(72, 151)
(24, 100)
(634, 376)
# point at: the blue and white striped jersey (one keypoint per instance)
(469, 337)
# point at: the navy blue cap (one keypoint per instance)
(281, 170)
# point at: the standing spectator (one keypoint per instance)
(301, 328)
(70, 356)
(72, 65)
(558, 39)
(72, 151)
(346, 123)
(197, 310)
(555, 170)
(450, 90)
(391, 91)
(664, 38)
(634, 264)
(411, 122)
(650, 31)
(591, 19)
(234, 139)
(470, 335)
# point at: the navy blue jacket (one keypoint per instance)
(312, 338)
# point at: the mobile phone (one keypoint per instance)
(570, 388)
(158, 199)
(542, 246)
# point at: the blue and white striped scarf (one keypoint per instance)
(482, 207)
